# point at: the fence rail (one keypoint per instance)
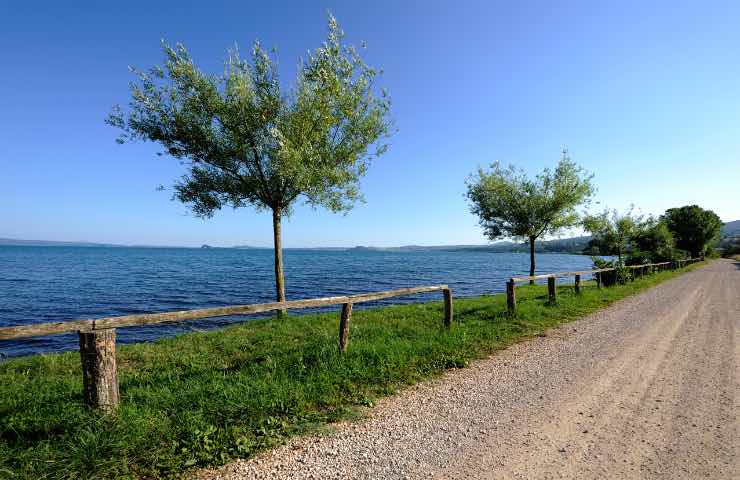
(551, 290)
(55, 328)
(98, 336)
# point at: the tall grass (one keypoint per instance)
(205, 398)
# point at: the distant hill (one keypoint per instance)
(567, 245)
(731, 229)
(51, 243)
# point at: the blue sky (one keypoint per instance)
(646, 95)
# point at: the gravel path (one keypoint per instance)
(647, 388)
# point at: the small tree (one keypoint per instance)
(613, 232)
(694, 228)
(247, 143)
(509, 204)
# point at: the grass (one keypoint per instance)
(205, 398)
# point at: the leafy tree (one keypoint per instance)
(247, 143)
(614, 233)
(655, 240)
(509, 204)
(694, 228)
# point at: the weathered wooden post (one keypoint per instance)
(551, 290)
(597, 275)
(99, 375)
(511, 296)
(448, 307)
(344, 326)
(578, 283)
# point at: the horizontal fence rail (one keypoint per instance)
(98, 336)
(54, 328)
(558, 274)
(597, 273)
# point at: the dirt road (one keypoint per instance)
(648, 388)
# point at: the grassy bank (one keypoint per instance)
(205, 398)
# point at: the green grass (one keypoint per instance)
(205, 398)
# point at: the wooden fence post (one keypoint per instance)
(344, 326)
(598, 280)
(448, 307)
(578, 284)
(551, 290)
(511, 296)
(99, 375)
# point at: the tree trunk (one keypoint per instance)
(531, 259)
(278, 250)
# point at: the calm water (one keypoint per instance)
(43, 284)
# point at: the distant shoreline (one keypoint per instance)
(570, 245)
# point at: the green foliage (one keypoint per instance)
(620, 275)
(247, 142)
(654, 243)
(205, 398)
(613, 233)
(694, 228)
(510, 204)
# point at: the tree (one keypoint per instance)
(655, 240)
(694, 228)
(612, 232)
(509, 204)
(246, 143)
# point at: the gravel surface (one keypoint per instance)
(647, 388)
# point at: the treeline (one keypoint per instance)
(684, 232)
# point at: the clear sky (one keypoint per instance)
(646, 95)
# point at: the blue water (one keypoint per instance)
(44, 284)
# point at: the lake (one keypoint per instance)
(44, 284)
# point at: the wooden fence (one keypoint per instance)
(98, 336)
(638, 270)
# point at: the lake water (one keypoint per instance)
(44, 284)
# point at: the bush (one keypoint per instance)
(620, 275)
